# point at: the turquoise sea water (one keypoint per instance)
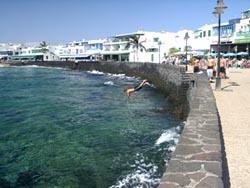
(63, 128)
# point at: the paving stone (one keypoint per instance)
(188, 149)
(210, 182)
(215, 148)
(180, 179)
(187, 140)
(197, 176)
(211, 141)
(180, 166)
(210, 134)
(214, 168)
(212, 156)
(168, 185)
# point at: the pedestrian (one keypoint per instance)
(210, 68)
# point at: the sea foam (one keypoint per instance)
(168, 136)
(96, 72)
(109, 83)
(141, 177)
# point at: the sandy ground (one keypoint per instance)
(233, 104)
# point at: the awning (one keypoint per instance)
(25, 56)
(74, 56)
(242, 53)
(229, 54)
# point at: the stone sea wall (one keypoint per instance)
(199, 160)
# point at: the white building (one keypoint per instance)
(142, 46)
(34, 54)
(79, 50)
(234, 36)
(7, 50)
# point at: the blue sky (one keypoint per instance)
(61, 21)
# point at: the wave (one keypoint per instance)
(96, 72)
(32, 66)
(141, 177)
(109, 83)
(170, 135)
(118, 76)
(37, 66)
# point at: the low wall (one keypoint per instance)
(199, 159)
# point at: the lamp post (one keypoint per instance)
(186, 38)
(219, 9)
(159, 43)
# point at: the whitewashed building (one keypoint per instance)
(8, 49)
(142, 46)
(79, 50)
(234, 36)
(33, 54)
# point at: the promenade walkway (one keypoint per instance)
(233, 104)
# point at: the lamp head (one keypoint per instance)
(220, 7)
(186, 36)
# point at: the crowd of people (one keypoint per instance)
(210, 65)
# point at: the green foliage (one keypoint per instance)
(134, 42)
(44, 46)
(173, 50)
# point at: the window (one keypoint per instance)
(153, 50)
(156, 39)
(209, 33)
(200, 34)
(141, 49)
(204, 33)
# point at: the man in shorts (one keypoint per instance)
(210, 68)
(222, 68)
(128, 91)
(196, 63)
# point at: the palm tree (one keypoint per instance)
(44, 47)
(134, 42)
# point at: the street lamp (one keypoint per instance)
(219, 9)
(186, 38)
(159, 43)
